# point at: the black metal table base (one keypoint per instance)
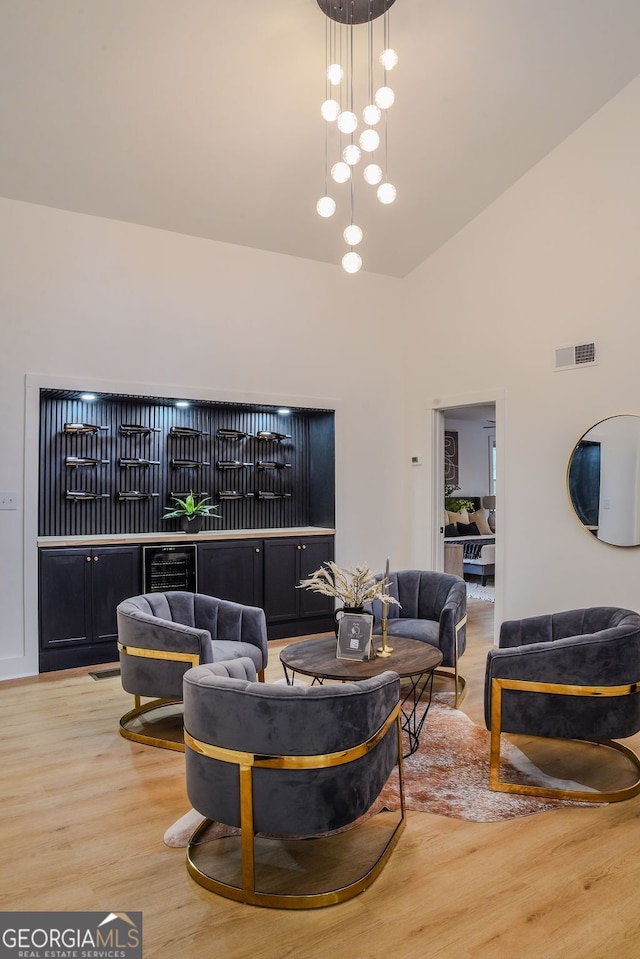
(411, 723)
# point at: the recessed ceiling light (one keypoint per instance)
(88, 397)
(284, 412)
(182, 403)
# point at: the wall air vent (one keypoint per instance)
(573, 357)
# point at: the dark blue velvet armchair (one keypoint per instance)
(161, 635)
(283, 763)
(433, 609)
(568, 675)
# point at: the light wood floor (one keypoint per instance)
(84, 812)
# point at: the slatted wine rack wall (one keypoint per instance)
(308, 483)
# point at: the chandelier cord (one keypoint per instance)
(352, 206)
(385, 41)
(370, 50)
(327, 56)
(351, 72)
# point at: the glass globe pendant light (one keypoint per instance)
(326, 206)
(371, 114)
(347, 121)
(386, 193)
(353, 234)
(339, 108)
(341, 171)
(372, 174)
(330, 110)
(369, 140)
(351, 262)
(385, 98)
(351, 154)
(389, 58)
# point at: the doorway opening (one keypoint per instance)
(470, 495)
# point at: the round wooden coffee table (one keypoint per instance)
(410, 659)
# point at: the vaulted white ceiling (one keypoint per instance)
(202, 116)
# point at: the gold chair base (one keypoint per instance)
(129, 719)
(294, 872)
(459, 681)
(498, 687)
(285, 854)
(552, 792)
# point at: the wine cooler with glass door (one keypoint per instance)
(169, 567)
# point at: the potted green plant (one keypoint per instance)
(191, 512)
(455, 504)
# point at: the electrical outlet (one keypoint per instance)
(8, 500)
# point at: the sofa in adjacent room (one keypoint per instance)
(472, 531)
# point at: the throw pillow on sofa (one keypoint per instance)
(481, 521)
(461, 517)
(451, 529)
(468, 529)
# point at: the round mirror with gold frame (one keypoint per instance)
(603, 480)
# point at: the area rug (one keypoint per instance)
(486, 593)
(449, 773)
(447, 776)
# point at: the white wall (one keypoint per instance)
(553, 262)
(101, 304)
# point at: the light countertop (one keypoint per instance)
(124, 539)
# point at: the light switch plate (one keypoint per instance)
(8, 499)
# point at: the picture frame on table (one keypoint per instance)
(355, 637)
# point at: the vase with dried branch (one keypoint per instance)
(355, 587)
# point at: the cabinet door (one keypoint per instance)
(281, 576)
(231, 570)
(286, 562)
(313, 552)
(65, 596)
(116, 575)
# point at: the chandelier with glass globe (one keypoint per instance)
(361, 136)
